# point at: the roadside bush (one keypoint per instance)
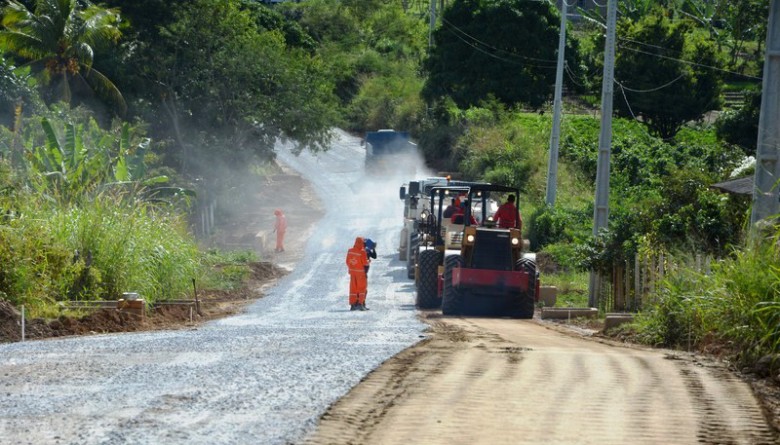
(564, 256)
(550, 225)
(735, 309)
(135, 248)
(96, 251)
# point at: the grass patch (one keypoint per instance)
(572, 288)
(227, 270)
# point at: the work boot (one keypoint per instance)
(363, 307)
(353, 307)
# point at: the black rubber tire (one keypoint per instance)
(427, 285)
(451, 300)
(526, 303)
(411, 260)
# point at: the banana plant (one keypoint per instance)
(71, 169)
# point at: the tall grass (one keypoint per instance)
(735, 309)
(93, 251)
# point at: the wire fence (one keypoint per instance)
(633, 283)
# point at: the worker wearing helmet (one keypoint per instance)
(357, 264)
(507, 216)
(460, 214)
(280, 227)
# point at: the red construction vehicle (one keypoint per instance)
(474, 267)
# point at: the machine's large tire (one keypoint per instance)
(411, 260)
(451, 300)
(427, 285)
(526, 303)
(403, 249)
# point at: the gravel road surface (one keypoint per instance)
(263, 377)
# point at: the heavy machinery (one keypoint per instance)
(418, 213)
(416, 210)
(476, 268)
(390, 151)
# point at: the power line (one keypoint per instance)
(687, 62)
(456, 31)
(650, 90)
(622, 90)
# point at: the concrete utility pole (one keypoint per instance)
(765, 190)
(601, 209)
(555, 136)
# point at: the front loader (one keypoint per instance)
(482, 270)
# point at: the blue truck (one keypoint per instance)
(391, 151)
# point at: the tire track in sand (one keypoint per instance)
(498, 381)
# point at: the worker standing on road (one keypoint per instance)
(357, 264)
(507, 215)
(280, 227)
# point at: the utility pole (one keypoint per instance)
(555, 136)
(765, 190)
(433, 23)
(601, 209)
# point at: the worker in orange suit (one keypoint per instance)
(280, 227)
(357, 263)
(507, 215)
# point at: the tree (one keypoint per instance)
(15, 90)
(225, 89)
(666, 74)
(740, 126)
(500, 48)
(58, 41)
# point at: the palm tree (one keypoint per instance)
(58, 41)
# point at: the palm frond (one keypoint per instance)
(25, 45)
(100, 26)
(15, 13)
(105, 88)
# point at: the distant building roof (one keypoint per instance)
(739, 186)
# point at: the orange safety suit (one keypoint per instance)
(506, 216)
(357, 263)
(280, 227)
(459, 215)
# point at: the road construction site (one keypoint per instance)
(299, 367)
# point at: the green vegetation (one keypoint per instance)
(117, 122)
(736, 307)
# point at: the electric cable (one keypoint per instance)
(622, 90)
(514, 62)
(650, 90)
(571, 73)
(688, 62)
(452, 26)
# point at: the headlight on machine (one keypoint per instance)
(515, 241)
(470, 238)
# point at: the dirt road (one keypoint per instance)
(501, 381)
